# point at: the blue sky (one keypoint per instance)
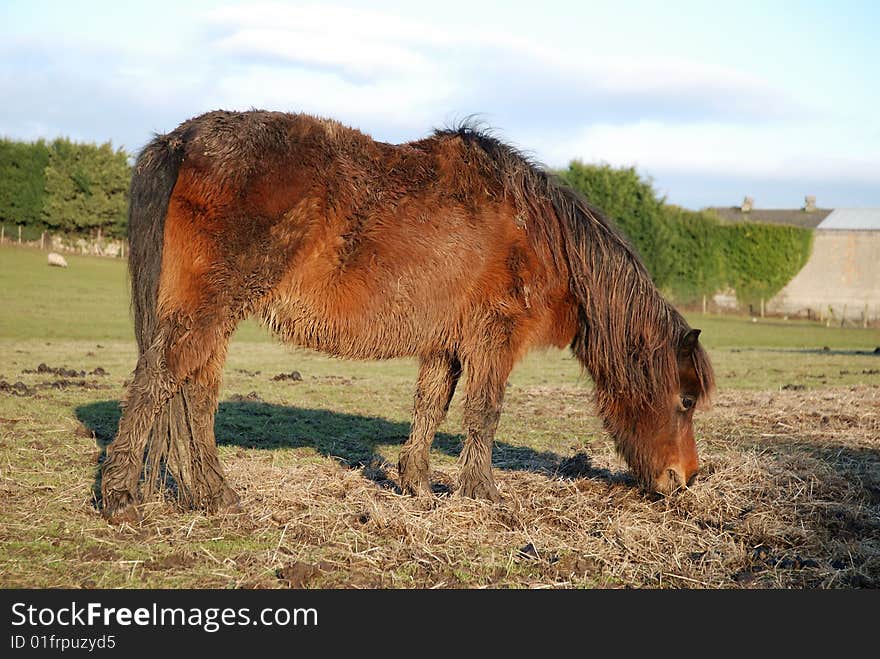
(771, 99)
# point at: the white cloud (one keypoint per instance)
(516, 78)
(346, 23)
(358, 57)
(782, 150)
(389, 74)
(385, 105)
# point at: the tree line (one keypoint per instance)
(63, 187)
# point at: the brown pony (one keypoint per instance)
(454, 249)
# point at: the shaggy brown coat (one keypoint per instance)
(454, 249)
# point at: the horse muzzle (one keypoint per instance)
(672, 479)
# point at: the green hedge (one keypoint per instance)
(86, 188)
(22, 182)
(693, 253)
(762, 258)
(63, 187)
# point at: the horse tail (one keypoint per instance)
(153, 181)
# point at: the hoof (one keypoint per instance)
(479, 489)
(229, 501)
(413, 481)
(224, 501)
(119, 508)
(418, 485)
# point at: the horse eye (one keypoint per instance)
(687, 402)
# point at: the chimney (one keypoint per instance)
(810, 203)
(747, 204)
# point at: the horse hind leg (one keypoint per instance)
(170, 413)
(438, 375)
(151, 387)
(182, 445)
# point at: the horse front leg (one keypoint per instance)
(482, 409)
(438, 375)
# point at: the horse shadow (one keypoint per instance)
(352, 440)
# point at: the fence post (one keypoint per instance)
(19, 234)
(42, 239)
(704, 305)
(762, 307)
(2, 233)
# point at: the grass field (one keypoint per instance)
(789, 495)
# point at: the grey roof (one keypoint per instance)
(860, 219)
(794, 216)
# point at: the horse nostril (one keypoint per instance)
(675, 478)
(670, 480)
(693, 478)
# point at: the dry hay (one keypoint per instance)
(789, 497)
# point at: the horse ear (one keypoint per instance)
(689, 343)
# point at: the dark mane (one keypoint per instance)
(628, 333)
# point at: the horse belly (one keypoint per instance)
(360, 316)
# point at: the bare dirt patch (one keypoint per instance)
(66, 383)
(62, 371)
(173, 561)
(252, 397)
(16, 388)
(68, 378)
(293, 376)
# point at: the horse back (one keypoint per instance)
(352, 246)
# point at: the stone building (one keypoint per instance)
(841, 279)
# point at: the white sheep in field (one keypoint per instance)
(57, 260)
